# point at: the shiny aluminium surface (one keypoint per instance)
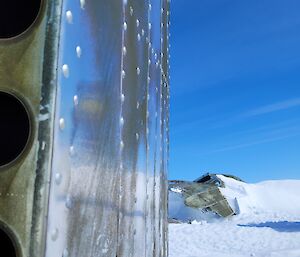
(92, 180)
(108, 186)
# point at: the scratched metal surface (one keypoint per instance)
(84, 194)
(108, 194)
(132, 223)
(165, 34)
(154, 121)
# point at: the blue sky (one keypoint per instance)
(235, 89)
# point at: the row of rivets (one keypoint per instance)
(122, 95)
(12, 195)
(138, 69)
(58, 176)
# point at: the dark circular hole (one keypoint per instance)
(7, 245)
(16, 16)
(14, 128)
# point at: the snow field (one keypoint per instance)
(267, 224)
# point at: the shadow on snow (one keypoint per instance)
(280, 226)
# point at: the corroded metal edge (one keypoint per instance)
(46, 128)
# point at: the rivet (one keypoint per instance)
(131, 10)
(121, 121)
(69, 17)
(123, 74)
(138, 71)
(137, 136)
(65, 253)
(124, 50)
(78, 51)
(54, 234)
(62, 124)
(72, 150)
(137, 23)
(82, 4)
(137, 105)
(121, 144)
(143, 32)
(75, 100)
(122, 98)
(65, 70)
(139, 37)
(69, 202)
(58, 178)
(125, 26)
(150, 7)
(149, 25)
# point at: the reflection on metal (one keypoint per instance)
(93, 182)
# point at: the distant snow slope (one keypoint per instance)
(267, 224)
(268, 196)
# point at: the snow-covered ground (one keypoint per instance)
(267, 224)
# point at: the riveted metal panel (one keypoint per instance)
(165, 11)
(155, 120)
(91, 75)
(153, 75)
(84, 195)
(133, 132)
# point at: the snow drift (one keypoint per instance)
(266, 224)
(269, 196)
